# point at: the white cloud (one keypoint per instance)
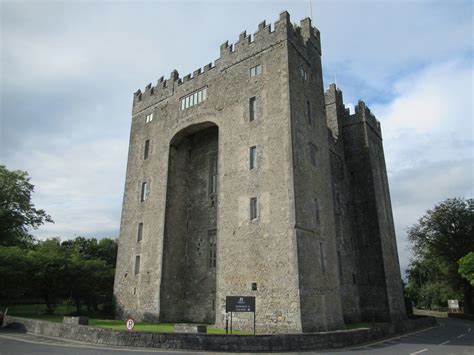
(68, 70)
(428, 141)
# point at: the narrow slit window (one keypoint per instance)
(253, 208)
(213, 175)
(308, 113)
(253, 158)
(137, 264)
(312, 153)
(211, 235)
(316, 213)
(321, 256)
(140, 232)
(146, 150)
(144, 191)
(149, 118)
(252, 108)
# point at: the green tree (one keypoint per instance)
(17, 213)
(48, 278)
(15, 272)
(466, 267)
(444, 235)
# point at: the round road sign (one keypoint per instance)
(130, 323)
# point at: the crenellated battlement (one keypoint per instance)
(304, 35)
(363, 113)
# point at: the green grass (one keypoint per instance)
(38, 311)
(213, 330)
(139, 326)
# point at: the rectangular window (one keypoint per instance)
(213, 175)
(146, 150)
(252, 108)
(253, 208)
(144, 192)
(308, 112)
(140, 232)
(312, 153)
(256, 70)
(149, 118)
(193, 99)
(316, 213)
(304, 74)
(321, 256)
(137, 264)
(253, 157)
(211, 235)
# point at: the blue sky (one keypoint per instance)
(68, 70)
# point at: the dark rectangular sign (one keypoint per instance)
(240, 304)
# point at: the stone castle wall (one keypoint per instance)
(301, 257)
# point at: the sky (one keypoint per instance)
(68, 70)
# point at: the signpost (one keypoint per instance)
(240, 304)
(130, 323)
(453, 305)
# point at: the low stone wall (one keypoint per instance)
(429, 313)
(216, 342)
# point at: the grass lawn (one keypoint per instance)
(37, 311)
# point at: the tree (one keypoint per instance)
(17, 213)
(466, 267)
(446, 233)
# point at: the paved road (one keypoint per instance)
(451, 336)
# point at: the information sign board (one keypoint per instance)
(240, 304)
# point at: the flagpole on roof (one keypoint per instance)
(311, 9)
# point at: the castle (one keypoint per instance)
(246, 178)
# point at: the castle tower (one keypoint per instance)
(229, 191)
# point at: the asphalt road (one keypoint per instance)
(451, 336)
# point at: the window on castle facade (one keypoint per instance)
(146, 149)
(137, 264)
(322, 256)
(193, 99)
(316, 213)
(253, 157)
(140, 232)
(312, 153)
(253, 208)
(211, 235)
(308, 113)
(252, 108)
(304, 74)
(144, 191)
(256, 70)
(149, 118)
(213, 175)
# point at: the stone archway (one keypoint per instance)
(188, 280)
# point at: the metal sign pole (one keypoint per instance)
(231, 322)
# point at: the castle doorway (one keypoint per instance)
(188, 281)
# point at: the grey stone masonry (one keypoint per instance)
(255, 182)
(217, 342)
(76, 320)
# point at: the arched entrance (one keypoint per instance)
(188, 281)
